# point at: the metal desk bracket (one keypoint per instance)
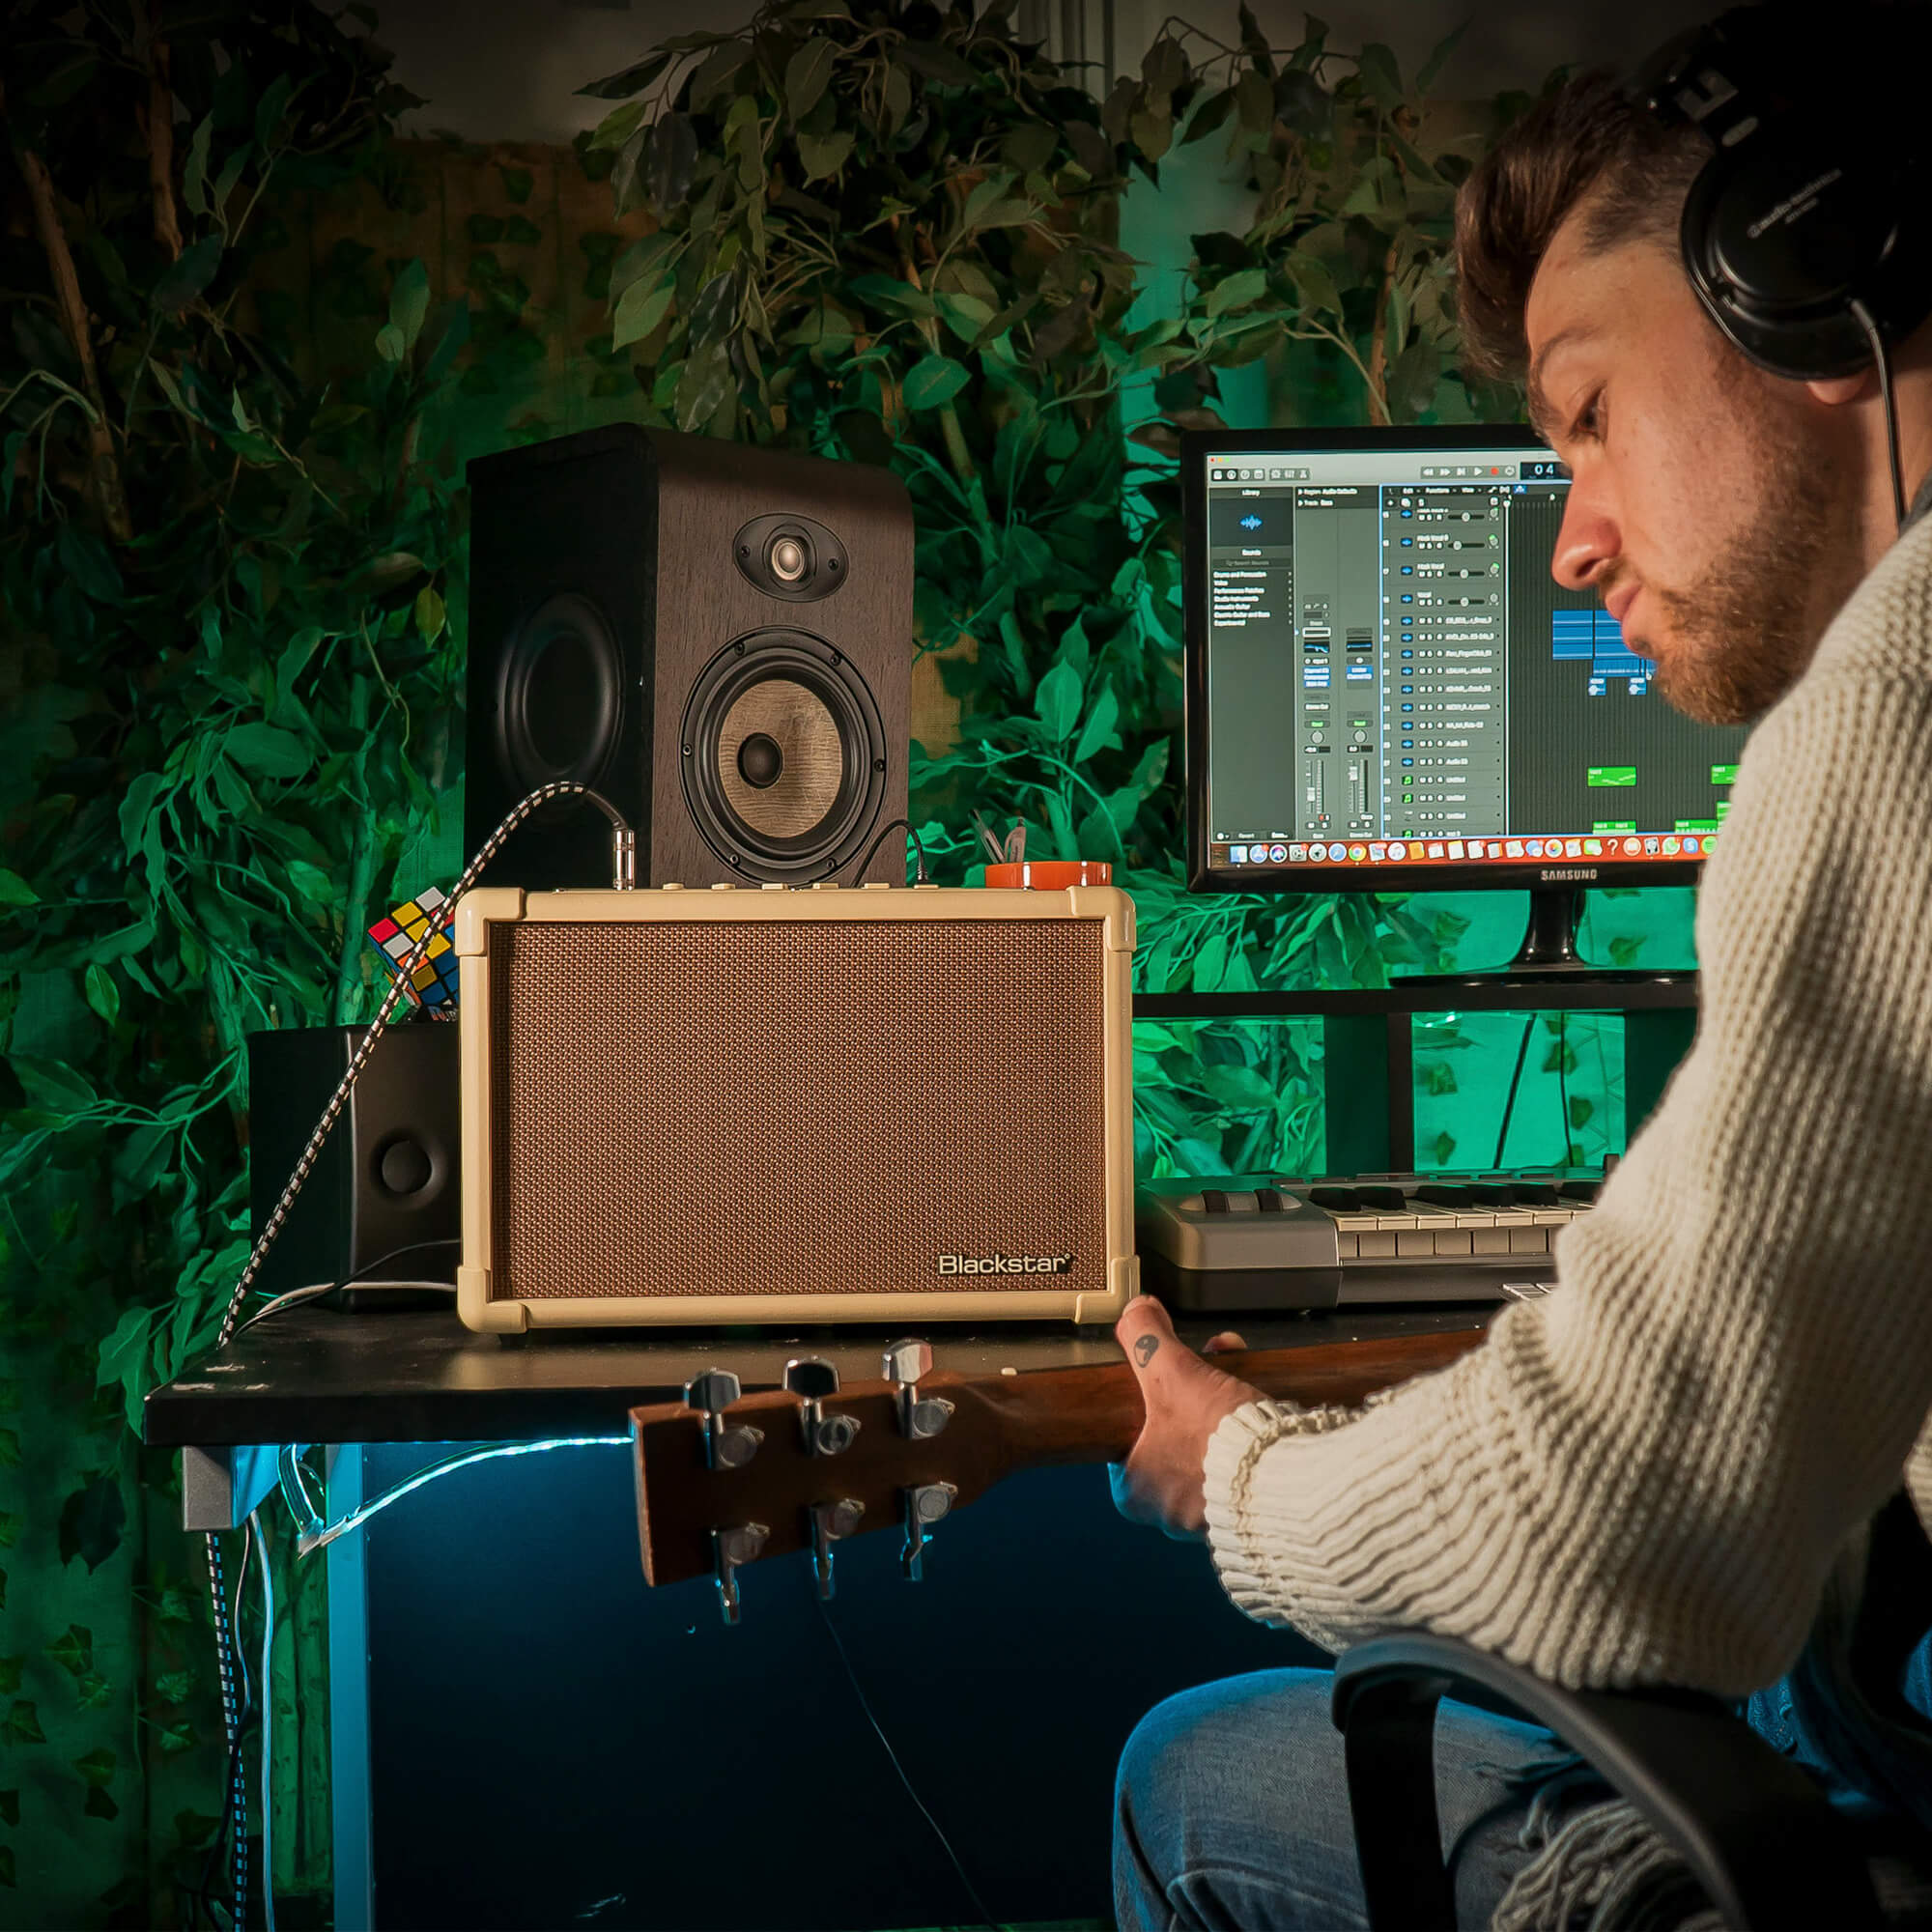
(221, 1486)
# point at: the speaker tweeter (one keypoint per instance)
(794, 558)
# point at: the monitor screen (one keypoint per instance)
(1386, 686)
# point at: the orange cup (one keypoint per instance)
(1051, 876)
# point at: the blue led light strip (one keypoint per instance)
(314, 1533)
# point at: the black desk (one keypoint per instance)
(521, 1733)
(308, 1375)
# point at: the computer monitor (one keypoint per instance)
(1388, 690)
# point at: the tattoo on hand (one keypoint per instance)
(1144, 1349)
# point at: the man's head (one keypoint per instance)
(1723, 514)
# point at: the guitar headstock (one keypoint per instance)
(724, 1481)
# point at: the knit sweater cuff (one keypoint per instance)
(1234, 1453)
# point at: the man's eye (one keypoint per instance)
(1588, 420)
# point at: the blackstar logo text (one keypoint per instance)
(1005, 1264)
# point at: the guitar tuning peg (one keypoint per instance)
(811, 1378)
(919, 1417)
(726, 1447)
(731, 1551)
(830, 1523)
(923, 1504)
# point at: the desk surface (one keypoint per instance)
(315, 1375)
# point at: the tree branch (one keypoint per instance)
(160, 131)
(1376, 371)
(103, 466)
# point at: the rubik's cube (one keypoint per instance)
(433, 984)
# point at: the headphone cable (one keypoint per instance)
(1882, 357)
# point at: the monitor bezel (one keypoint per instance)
(1442, 876)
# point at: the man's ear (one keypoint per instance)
(1841, 389)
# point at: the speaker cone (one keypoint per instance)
(560, 699)
(783, 757)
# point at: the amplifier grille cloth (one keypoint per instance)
(765, 1108)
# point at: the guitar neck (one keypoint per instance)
(777, 1481)
(1094, 1415)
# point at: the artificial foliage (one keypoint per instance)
(233, 569)
(893, 234)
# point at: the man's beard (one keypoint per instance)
(1745, 633)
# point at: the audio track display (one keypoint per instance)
(1391, 669)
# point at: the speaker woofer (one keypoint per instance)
(783, 757)
(560, 698)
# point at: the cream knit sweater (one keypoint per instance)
(1645, 1476)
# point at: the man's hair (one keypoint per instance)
(1584, 143)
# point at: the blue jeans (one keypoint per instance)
(1232, 1809)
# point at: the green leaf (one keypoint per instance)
(176, 1687)
(10, 1807)
(10, 1528)
(184, 279)
(1099, 731)
(271, 106)
(97, 1768)
(11, 1669)
(92, 1520)
(74, 1650)
(16, 891)
(409, 304)
(807, 75)
(268, 750)
(99, 1804)
(102, 994)
(518, 181)
(618, 86)
(823, 156)
(1426, 75)
(7, 1877)
(1583, 1109)
(1381, 79)
(21, 1725)
(1236, 290)
(640, 308)
(932, 381)
(1056, 702)
(430, 613)
(194, 174)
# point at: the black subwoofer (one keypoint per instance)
(661, 617)
(383, 1201)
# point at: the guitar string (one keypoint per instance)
(878, 1730)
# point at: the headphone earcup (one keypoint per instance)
(1780, 235)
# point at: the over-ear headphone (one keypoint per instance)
(1810, 209)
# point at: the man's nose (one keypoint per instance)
(1588, 542)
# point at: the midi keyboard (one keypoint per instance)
(1269, 1242)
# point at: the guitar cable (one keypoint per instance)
(624, 866)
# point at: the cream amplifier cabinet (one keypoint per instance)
(900, 1104)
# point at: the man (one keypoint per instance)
(1645, 1477)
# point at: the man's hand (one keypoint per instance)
(1161, 1480)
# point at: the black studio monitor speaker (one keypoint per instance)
(717, 638)
(388, 1179)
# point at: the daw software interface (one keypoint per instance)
(1393, 678)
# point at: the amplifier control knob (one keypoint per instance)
(825, 884)
(724, 886)
(877, 886)
(670, 886)
(771, 886)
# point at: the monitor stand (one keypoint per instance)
(1548, 956)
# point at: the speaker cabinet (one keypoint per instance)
(717, 638)
(886, 1105)
(387, 1180)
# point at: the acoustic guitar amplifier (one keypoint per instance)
(897, 1104)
